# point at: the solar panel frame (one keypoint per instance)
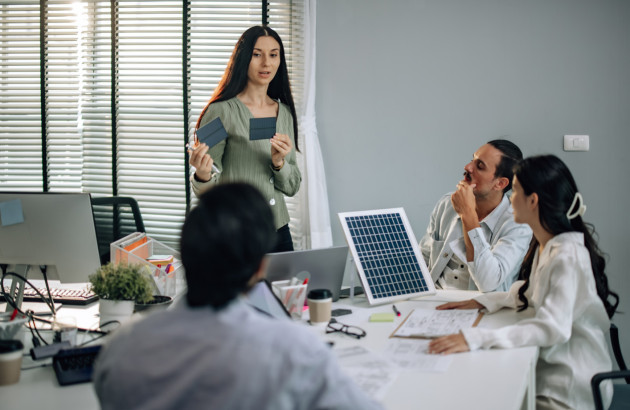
(386, 255)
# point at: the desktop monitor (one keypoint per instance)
(51, 229)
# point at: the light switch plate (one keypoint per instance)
(576, 143)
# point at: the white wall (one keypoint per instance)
(407, 90)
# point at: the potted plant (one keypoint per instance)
(120, 286)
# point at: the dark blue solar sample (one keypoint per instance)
(386, 255)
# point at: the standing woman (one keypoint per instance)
(255, 85)
(564, 282)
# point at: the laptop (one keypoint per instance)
(325, 267)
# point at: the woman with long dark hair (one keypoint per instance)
(563, 280)
(255, 85)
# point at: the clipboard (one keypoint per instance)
(471, 320)
(262, 128)
(212, 133)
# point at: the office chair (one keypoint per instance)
(621, 392)
(115, 217)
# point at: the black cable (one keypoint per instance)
(36, 367)
(44, 268)
(10, 298)
(37, 338)
(33, 327)
(93, 339)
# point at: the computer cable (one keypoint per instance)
(10, 298)
(44, 268)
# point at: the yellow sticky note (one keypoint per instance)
(382, 317)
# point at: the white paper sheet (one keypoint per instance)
(434, 323)
(412, 354)
(372, 373)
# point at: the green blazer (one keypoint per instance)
(242, 160)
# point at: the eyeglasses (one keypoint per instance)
(334, 326)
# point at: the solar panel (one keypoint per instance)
(386, 255)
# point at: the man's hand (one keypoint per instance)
(463, 199)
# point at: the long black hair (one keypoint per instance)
(234, 79)
(551, 180)
(223, 242)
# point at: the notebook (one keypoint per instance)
(325, 267)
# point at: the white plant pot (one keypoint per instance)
(119, 310)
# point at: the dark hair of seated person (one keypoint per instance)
(223, 242)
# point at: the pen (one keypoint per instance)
(214, 167)
(396, 310)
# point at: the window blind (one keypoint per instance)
(150, 116)
(96, 96)
(62, 101)
(118, 125)
(20, 105)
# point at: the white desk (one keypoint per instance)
(494, 379)
(500, 379)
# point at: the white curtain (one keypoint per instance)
(318, 211)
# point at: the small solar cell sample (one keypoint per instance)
(387, 255)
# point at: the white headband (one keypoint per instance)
(580, 210)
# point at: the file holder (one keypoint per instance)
(291, 296)
(136, 248)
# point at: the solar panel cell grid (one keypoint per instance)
(385, 254)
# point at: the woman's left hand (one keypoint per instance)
(281, 145)
(449, 344)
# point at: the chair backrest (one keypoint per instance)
(115, 217)
(616, 347)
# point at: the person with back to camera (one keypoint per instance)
(564, 282)
(212, 350)
(472, 241)
(255, 85)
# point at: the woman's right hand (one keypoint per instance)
(202, 161)
(465, 304)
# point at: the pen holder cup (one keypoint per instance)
(10, 329)
(292, 297)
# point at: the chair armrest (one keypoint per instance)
(598, 378)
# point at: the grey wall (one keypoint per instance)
(407, 90)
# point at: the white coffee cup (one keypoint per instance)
(319, 305)
(10, 361)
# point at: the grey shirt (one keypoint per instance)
(236, 358)
(499, 244)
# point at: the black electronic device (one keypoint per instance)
(340, 312)
(75, 365)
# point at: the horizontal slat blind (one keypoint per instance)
(150, 115)
(63, 105)
(96, 92)
(20, 105)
